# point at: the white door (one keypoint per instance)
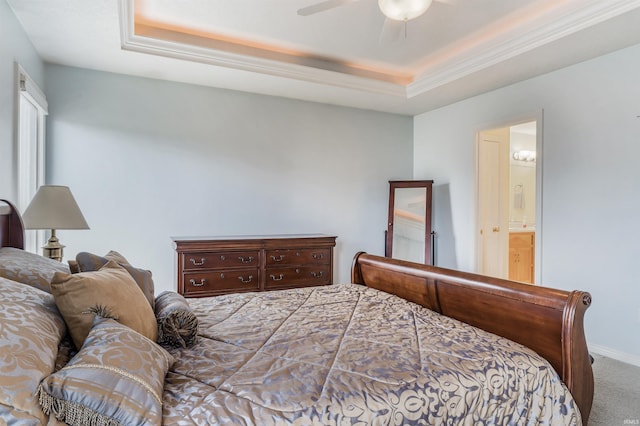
(493, 192)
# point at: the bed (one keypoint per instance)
(402, 344)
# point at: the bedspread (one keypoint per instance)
(348, 354)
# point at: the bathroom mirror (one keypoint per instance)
(409, 224)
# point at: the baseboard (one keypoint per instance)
(614, 354)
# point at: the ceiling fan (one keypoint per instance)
(397, 10)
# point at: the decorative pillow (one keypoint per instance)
(109, 292)
(177, 324)
(117, 378)
(29, 268)
(30, 331)
(88, 262)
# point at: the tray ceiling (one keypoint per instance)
(349, 55)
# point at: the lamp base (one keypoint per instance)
(53, 249)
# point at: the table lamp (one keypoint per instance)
(53, 207)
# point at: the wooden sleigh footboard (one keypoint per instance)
(549, 321)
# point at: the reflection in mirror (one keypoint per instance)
(408, 220)
(409, 226)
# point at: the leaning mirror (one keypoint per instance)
(409, 235)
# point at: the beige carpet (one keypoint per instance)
(616, 399)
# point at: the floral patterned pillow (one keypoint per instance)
(116, 378)
(31, 329)
(29, 268)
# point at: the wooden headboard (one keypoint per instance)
(549, 321)
(11, 226)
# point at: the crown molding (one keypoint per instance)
(577, 15)
(177, 50)
(550, 21)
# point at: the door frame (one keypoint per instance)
(538, 117)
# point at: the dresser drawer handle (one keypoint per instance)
(279, 278)
(317, 274)
(197, 284)
(318, 256)
(277, 259)
(246, 281)
(245, 259)
(197, 263)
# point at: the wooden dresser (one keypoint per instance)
(210, 266)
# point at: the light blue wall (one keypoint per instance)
(149, 159)
(591, 191)
(14, 47)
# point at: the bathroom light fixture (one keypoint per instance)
(524, 155)
(403, 10)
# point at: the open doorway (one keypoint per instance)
(507, 201)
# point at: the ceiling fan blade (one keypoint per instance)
(392, 31)
(322, 6)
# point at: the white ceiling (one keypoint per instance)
(349, 55)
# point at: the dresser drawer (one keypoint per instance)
(216, 260)
(218, 282)
(297, 276)
(307, 256)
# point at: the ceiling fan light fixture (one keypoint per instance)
(403, 10)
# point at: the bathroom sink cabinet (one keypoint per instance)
(521, 256)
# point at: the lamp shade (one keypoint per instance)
(403, 10)
(53, 207)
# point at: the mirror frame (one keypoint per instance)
(428, 241)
